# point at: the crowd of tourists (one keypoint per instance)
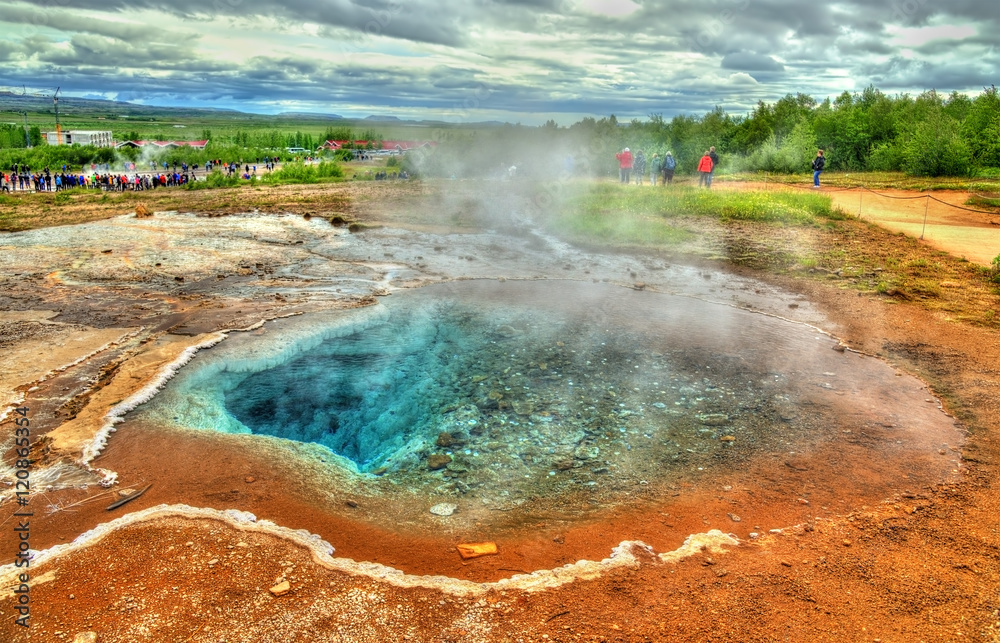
(21, 178)
(661, 168)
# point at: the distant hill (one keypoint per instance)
(122, 112)
(311, 116)
(99, 107)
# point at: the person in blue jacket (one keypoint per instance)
(818, 164)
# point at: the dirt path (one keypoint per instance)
(939, 218)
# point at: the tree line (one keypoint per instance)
(924, 135)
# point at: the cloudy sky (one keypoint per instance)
(514, 60)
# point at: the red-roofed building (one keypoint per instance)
(398, 147)
(198, 145)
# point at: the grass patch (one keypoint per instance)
(981, 201)
(215, 179)
(617, 201)
(625, 215)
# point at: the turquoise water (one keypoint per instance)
(507, 390)
(366, 394)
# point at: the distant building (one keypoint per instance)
(392, 147)
(82, 137)
(198, 145)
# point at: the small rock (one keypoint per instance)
(438, 461)
(444, 509)
(559, 540)
(475, 550)
(281, 588)
(381, 471)
(444, 440)
(727, 438)
(106, 252)
(352, 504)
(85, 637)
(846, 543)
(125, 492)
(249, 479)
(214, 561)
(735, 518)
(714, 419)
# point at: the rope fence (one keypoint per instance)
(862, 189)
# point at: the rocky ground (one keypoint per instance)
(917, 563)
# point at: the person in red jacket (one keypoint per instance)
(624, 165)
(705, 170)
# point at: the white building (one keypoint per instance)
(82, 137)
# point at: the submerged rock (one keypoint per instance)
(444, 509)
(438, 461)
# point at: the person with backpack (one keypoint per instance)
(669, 165)
(655, 167)
(818, 164)
(639, 165)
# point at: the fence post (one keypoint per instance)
(927, 202)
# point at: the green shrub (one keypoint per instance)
(215, 179)
(302, 173)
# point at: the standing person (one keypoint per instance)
(624, 165)
(705, 170)
(715, 161)
(639, 165)
(818, 164)
(655, 167)
(669, 165)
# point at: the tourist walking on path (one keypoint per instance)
(818, 164)
(715, 161)
(639, 166)
(655, 167)
(705, 171)
(669, 165)
(624, 165)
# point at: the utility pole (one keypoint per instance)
(24, 113)
(55, 102)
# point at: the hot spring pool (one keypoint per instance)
(505, 390)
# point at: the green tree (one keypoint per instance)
(936, 148)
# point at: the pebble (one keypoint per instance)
(444, 509)
(281, 588)
(85, 637)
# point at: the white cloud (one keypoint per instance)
(612, 8)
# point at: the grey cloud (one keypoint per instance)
(34, 19)
(745, 61)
